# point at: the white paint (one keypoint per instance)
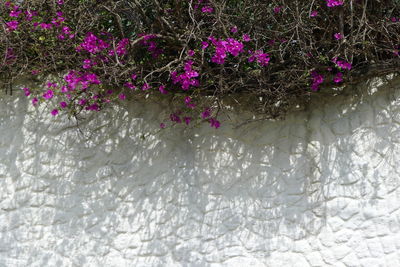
(318, 189)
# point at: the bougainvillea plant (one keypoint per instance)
(196, 52)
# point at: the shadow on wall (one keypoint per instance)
(197, 196)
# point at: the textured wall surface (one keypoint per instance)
(321, 188)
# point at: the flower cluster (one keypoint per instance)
(151, 45)
(222, 48)
(195, 52)
(186, 79)
(317, 80)
(92, 44)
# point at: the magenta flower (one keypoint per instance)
(215, 123)
(45, 26)
(187, 120)
(317, 79)
(162, 125)
(63, 104)
(95, 106)
(207, 9)
(122, 96)
(35, 101)
(87, 64)
(121, 48)
(12, 25)
(190, 53)
(338, 78)
(234, 29)
(333, 3)
(130, 85)
(27, 92)
(204, 45)
(206, 113)
(15, 13)
(246, 38)
(188, 78)
(54, 112)
(261, 57)
(92, 44)
(277, 9)
(30, 14)
(48, 94)
(175, 118)
(338, 36)
(314, 13)
(145, 87)
(342, 64)
(162, 90)
(188, 102)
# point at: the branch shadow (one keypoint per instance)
(189, 196)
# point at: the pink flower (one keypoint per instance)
(30, 14)
(277, 9)
(175, 118)
(54, 112)
(64, 89)
(342, 64)
(45, 26)
(188, 102)
(190, 53)
(207, 9)
(12, 25)
(130, 85)
(206, 113)
(145, 87)
(338, 77)
(234, 29)
(162, 89)
(35, 101)
(314, 13)
(48, 94)
(215, 123)
(317, 79)
(63, 104)
(15, 13)
(338, 36)
(27, 92)
(204, 45)
(87, 64)
(261, 57)
(122, 96)
(246, 38)
(187, 120)
(92, 44)
(333, 3)
(162, 125)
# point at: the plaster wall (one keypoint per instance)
(321, 188)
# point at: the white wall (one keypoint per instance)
(321, 188)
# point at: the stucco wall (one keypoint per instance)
(321, 188)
